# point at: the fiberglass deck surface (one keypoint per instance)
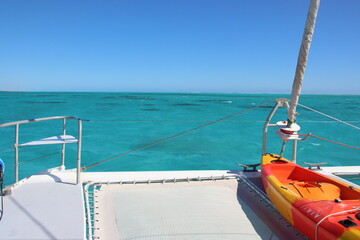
(44, 207)
(51, 206)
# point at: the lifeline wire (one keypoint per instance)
(2, 201)
(3, 149)
(338, 120)
(1, 192)
(191, 121)
(321, 138)
(48, 155)
(168, 138)
(182, 121)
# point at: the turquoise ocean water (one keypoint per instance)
(121, 122)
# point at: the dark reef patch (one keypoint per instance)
(129, 97)
(46, 95)
(254, 106)
(150, 109)
(110, 104)
(186, 105)
(212, 100)
(44, 102)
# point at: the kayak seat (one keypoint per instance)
(315, 190)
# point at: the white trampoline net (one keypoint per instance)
(196, 210)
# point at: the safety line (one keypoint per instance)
(3, 149)
(318, 224)
(2, 200)
(40, 157)
(177, 135)
(338, 120)
(185, 121)
(195, 121)
(342, 144)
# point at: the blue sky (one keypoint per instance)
(176, 46)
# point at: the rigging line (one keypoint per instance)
(319, 222)
(98, 120)
(168, 138)
(48, 155)
(2, 201)
(353, 179)
(338, 120)
(190, 121)
(327, 121)
(342, 144)
(3, 149)
(1, 191)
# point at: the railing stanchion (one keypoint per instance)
(78, 172)
(62, 166)
(267, 124)
(65, 140)
(16, 147)
(294, 153)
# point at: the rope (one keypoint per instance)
(327, 121)
(342, 144)
(2, 201)
(177, 135)
(318, 224)
(185, 121)
(3, 149)
(40, 157)
(191, 121)
(353, 179)
(338, 120)
(2, 193)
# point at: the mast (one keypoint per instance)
(302, 59)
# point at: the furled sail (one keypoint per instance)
(302, 58)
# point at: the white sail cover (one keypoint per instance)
(302, 58)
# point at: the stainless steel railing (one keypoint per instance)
(62, 166)
(281, 102)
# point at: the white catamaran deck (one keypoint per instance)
(44, 206)
(51, 206)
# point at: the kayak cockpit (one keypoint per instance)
(306, 183)
(314, 190)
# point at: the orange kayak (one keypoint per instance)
(319, 206)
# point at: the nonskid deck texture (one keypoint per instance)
(51, 206)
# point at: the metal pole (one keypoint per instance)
(16, 146)
(282, 148)
(294, 153)
(266, 126)
(62, 166)
(78, 172)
